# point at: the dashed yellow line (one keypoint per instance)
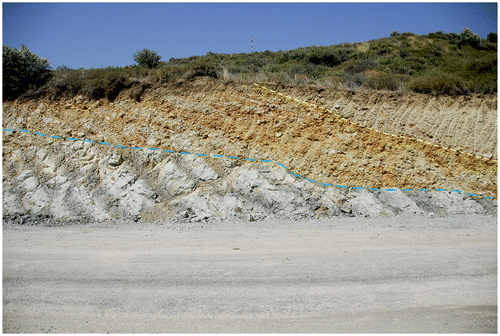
(371, 128)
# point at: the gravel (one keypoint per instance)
(336, 275)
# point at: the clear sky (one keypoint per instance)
(86, 35)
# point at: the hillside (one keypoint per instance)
(436, 63)
(66, 177)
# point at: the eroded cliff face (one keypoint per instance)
(468, 123)
(67, 177)
(52, 179)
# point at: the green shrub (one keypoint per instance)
(330, 58)
(437, 82)
(113, 84)
(359, 65)
(165, 74)
(492, 38)
(467, 37)
(353, 81)
(71, 81)
(403, 53)
(481, 66)
(383, 81)
(22, 71)
(201, 69)
(147, 58)
(400, 67)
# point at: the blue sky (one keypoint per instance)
(86, 35)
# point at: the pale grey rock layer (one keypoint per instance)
(82, 181)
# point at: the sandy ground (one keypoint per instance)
(339, 275)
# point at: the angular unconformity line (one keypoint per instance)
(253, 160)
(314, 106)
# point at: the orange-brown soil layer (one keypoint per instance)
(321, 143)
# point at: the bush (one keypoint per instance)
(359, 65)
(353, 81)
(383, 81)
(201, 69)
(403, 53)
(147, 58)
(113, 84)
(165, 74)
(136, 92)
(22, 70)
(437, 82)
(482, 66)
(327, 57)
(491, 38)
(467, 37)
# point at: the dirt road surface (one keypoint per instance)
(339, 275)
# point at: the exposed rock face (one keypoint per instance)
(65, 180)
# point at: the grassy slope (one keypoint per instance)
(431, 63)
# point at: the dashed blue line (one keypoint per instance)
(248, 159)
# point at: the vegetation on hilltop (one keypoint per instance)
(147, 58)
(22, 70)
(436, 63)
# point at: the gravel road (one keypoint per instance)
(339, 275)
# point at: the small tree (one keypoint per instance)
(467, 37)
(147, 58)
(22, 70)
(492, 38)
